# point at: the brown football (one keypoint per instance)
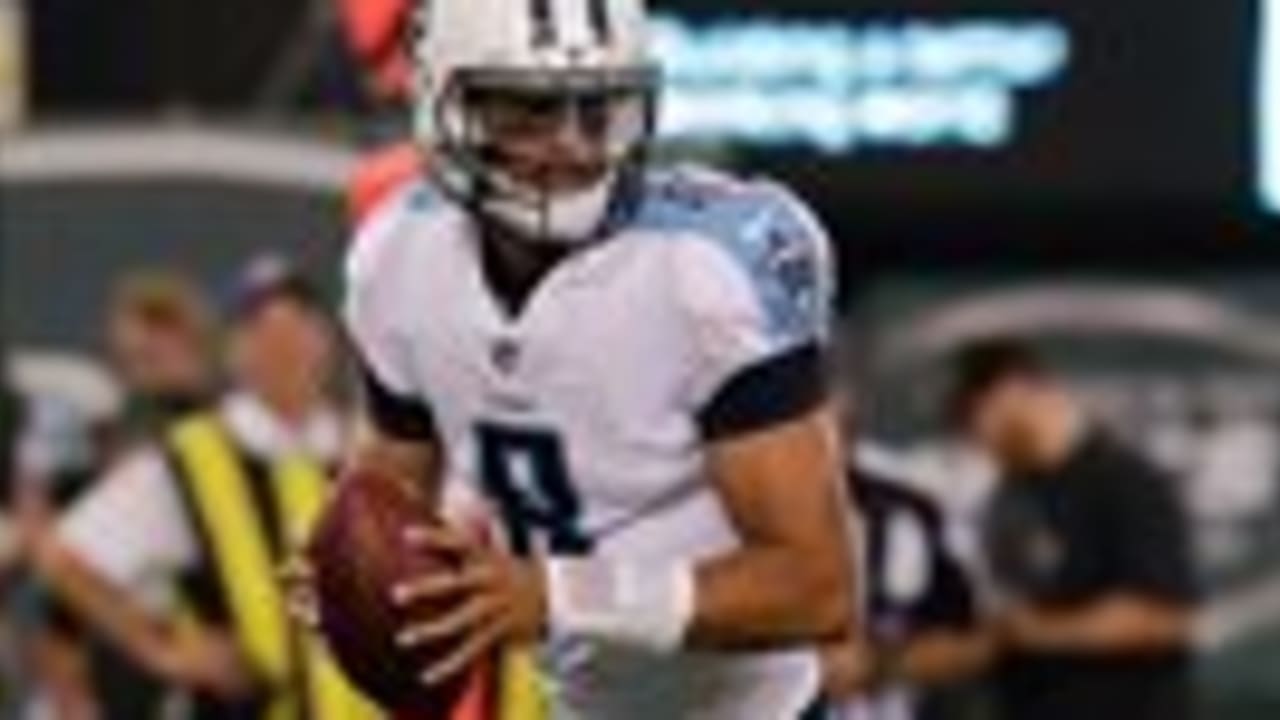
(358, 555)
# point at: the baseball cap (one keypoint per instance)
(266, 278)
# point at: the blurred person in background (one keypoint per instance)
(68, 405)
(10, 419)
(1088, 547)
(60, 451)
(11, 411)
(159, 335)
(921, 629)
(173, 557)
(377, 36)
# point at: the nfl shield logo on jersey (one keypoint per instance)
(505, 354)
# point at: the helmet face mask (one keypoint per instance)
(541, 139)
(542, 155)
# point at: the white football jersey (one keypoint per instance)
(578, 416)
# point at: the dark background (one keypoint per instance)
(1143, 150)
(1155, 104)
(105, 56)
(1145, 145)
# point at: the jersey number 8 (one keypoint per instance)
(526, 472)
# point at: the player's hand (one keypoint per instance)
(848, 669)
(302, 601)
(496, 599)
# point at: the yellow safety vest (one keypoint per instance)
(308, 684)
(218, 485)
(522, 694)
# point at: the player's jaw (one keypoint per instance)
(558, 162)
(554, 169)
(544, 142)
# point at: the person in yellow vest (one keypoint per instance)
(174, 555)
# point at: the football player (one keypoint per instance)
(627, 361)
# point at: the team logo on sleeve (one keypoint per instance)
(790, 263)
(788, 278)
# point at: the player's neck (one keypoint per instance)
(514, 268)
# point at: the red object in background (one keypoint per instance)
(375, 31)
(379, 175)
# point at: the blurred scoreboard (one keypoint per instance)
(986, 101)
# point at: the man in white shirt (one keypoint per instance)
(144, 543)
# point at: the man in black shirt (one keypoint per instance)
(1088, 548)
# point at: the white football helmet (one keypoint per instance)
(588, 51)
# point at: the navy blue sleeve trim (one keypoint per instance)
(777, 390)
(395, 415)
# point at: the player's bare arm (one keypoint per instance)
(790, 581)
(788, 584)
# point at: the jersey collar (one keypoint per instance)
(264, 434)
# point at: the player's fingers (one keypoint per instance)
(304, 608)
(465, 655)
(438, 538)
(296, 570)
(301, 601)
(438, 585)
(474, 612)
(305, 611)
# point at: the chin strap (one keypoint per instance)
(565, 220)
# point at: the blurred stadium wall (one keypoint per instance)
(82, 206)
